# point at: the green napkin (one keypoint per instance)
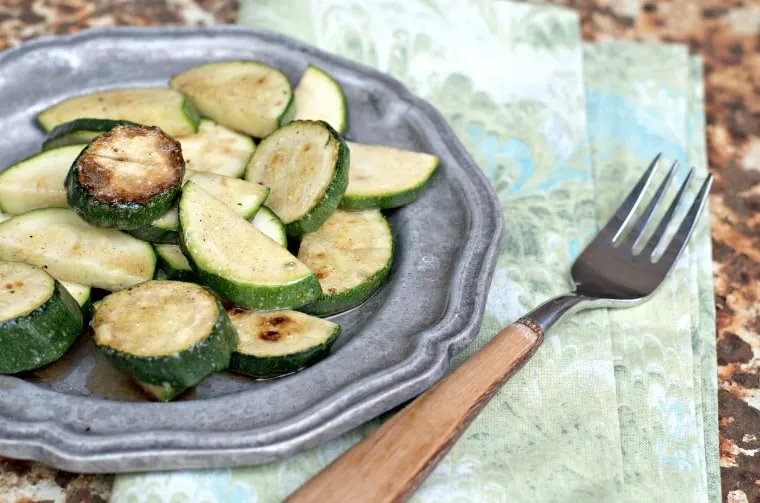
(610, 408)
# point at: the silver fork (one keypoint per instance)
(611, 272)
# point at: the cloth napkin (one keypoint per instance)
(615, 406)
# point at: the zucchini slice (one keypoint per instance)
(126, 178)
(174, 263)
(164, 229)
(232, 257)
(39, 319)
(69, 248)
(81, 293)
(3, 217)
(216, 149)
(385, 177)
(169, 334)
(80, 132)
(150, 106)
(269, 224)
(163, 392)
(319, 97)
(37, 182)
(278, 343)
(305, 164)
(351, 254)
(247, 96)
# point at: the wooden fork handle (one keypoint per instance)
(393, 460)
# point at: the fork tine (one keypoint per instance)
(641, 223)
(620, 219)
(678, 243)
(656, 238)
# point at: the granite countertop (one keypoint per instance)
(725, 32)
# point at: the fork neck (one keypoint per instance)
(553, 310)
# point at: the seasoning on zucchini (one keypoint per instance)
(174, 263)
(150, 106)
(351, 254)
(232, 257)
(216, 149)
(70, 249)
(126, 178)
(247, 96)
(385, 177)
(168, 334)
(37, 182)
(80, 132)
(39, 319)
(269, 224)
(305, 164)
(280, 342)
(319, 97)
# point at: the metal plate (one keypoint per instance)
(80, 415)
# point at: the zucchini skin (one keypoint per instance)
(359, 203)
(186, 368)
(119, 215)
(332, 196)
(42, 336)
(153, 234)
(175, 273)
(63, 134)
(275, 366)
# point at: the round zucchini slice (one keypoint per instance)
(126, 178)
(80, 132)
(319, 97)
(39, 319)
(165, 333)
(232, 257)
(351, 254)
(305, 165)
(247, 96)
(216, 149)
(269, 224)
(385, 177)
(280, 342)
(174, 263)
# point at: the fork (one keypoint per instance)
(610, 272)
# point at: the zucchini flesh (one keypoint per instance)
(126, 178)
(216, 149)
(351, 254)
(37, 182)
(80, 132)
(319, 97)
(305, 164)
(81, 293)
(165, 333)
(269, 224)
(247, 96)
(151, 106)
(69, 248)
(174, 263)
(385, 177)
(232, 257)
(163, 392)
(39, 319)
(280, 342)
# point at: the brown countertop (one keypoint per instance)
(725, 32)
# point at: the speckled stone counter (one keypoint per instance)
(725, 32)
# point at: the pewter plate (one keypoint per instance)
(80, 415)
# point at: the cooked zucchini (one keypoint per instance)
(81, 293)
(150, 106)
(305, 164)
(385, 177)
(319, 97)
(351, 254)
(37, 182)
(69, 248)
(281, 342)
(39, 319)
(269, 224)
(163, 392)
(126, 178)
(244, 197)
(80, 132)
(216, 149)
(3, 217)
(232, 257)
(165, 333)
(247, 96)
(174, 263)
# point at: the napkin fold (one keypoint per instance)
(615, 406)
